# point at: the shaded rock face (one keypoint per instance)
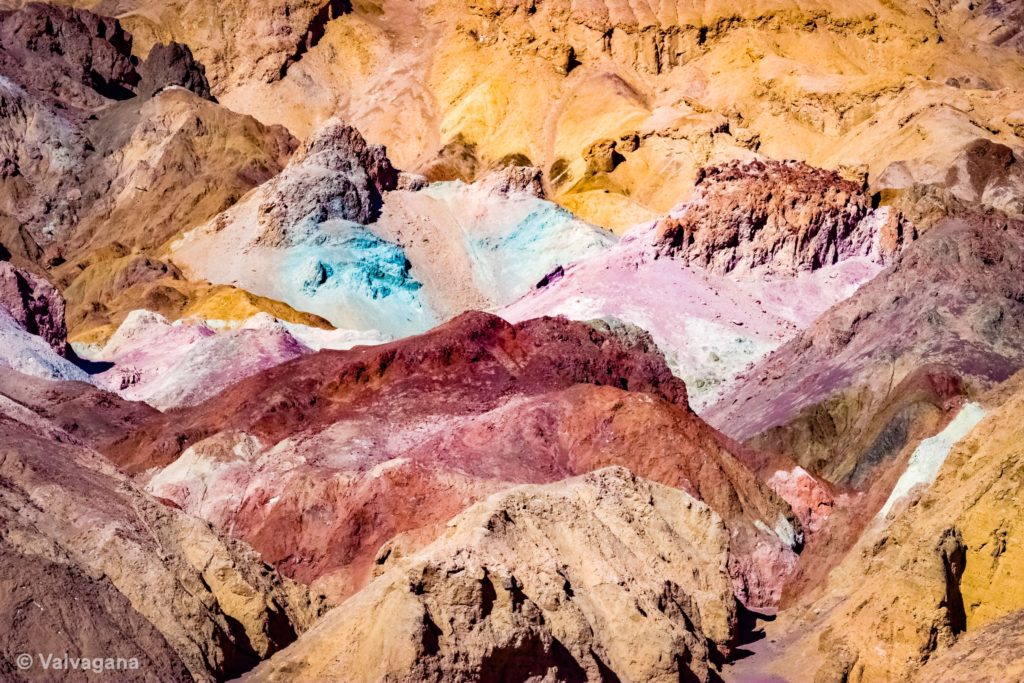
(95, 417)
(154, 583)
(44, 150)
(982, 172)
(172, 64)
(456, 160)
(33, 337)
(71, 55)
(98, 622)
(602, 156)
(336, 175)
(601, 577)
(342, 141)
(851, 398)
(30, 354)
(448, 417)
(34, 304)
(781, 217)
(988, 173)
(995, 21)
(411, 182)
(250, 42)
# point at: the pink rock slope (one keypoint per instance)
(169, 365)
(710, 327)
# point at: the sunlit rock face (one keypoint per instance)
(783, 218)
(169, 365)
(845, 395)
(619, 105)
(757, 253)
(332, 235)
(466, 410)
(943, 590)
(516, 574)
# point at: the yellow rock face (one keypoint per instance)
(861, 84)
(942, 570)
(223, 302)
(992, 653)
(858, 84)
(174, 161)
(174, 299)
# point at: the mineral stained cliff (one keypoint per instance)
(448, 417)
(434, 340)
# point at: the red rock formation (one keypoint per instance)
(338, 452)
(782, 217)
(94, 417)
(851, 397)
(837, 397)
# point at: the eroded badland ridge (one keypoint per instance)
(557, 340)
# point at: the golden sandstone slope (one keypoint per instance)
(483, 601)
(619, 103)
(929, 590)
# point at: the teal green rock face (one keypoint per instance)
(511, 263)
(358, 280)
(364, 263)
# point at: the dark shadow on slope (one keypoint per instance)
(749, 630)
(316, 30)
(91, 367)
